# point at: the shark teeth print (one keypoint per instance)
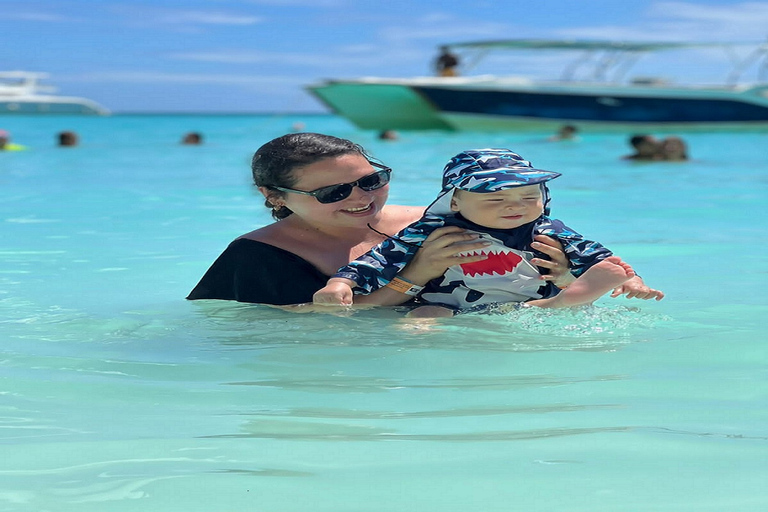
(498, 262)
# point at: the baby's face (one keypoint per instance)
(505, 209)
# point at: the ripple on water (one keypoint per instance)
(584, 328)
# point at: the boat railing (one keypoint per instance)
(610, 61)
(758, 57)
(22, 83)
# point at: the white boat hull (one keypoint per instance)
(21, 93)
(58, 106)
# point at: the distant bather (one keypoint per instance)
(67, 138)
(192, 138)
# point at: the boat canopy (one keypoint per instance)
(565, 44)
(616, 56)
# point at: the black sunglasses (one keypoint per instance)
(341, 191)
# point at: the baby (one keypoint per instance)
(504, 200)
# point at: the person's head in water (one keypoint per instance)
(388, 135)
(646, 147)
(673, 148)
(281, 162)
(192, 138)
(67, 138)
(566, 132)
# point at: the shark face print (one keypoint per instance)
(505, 276)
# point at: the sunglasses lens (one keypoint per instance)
(374, 181)
(334, 193)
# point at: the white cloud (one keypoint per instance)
(45, 17)
(722, 14)
(681, 21)
(302, 3)
(233, 57)
(150, 77)
(738, 22)
(207, 18)
(433, 27)
(304, 60)
(183, 20)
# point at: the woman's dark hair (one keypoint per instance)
(635, 140)
(274, 162)
(67, 138)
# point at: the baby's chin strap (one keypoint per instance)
(545, 195)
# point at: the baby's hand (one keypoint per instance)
(635, 288)
(558, 264)
(334, 293)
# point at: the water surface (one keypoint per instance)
(117, 394)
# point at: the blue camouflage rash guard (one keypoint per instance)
(505, 276)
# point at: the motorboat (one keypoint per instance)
(22, 93)
(604, 100)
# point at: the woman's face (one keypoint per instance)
(357, 210)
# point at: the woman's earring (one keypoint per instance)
(277, 206)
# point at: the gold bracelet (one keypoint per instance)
(401, 285)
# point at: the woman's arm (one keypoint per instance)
(439, 251)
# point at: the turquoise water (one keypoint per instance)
(116, 394)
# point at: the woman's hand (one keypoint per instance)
(337, 292)
(441, 250)
(559, 266)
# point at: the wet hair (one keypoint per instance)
(67, 138)
(636, 140)
(274, 163)
(192, 138)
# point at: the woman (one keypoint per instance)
(329, 199)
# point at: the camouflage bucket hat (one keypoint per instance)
(488, 170)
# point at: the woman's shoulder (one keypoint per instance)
(274, 235)
(263, 234)
(249, 245)
(254, 271)
(244, 251)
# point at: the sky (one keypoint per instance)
(253, 56)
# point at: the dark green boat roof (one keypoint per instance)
(565, 44)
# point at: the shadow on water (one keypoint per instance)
(331, 432)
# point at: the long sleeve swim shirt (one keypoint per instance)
(505, 276)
